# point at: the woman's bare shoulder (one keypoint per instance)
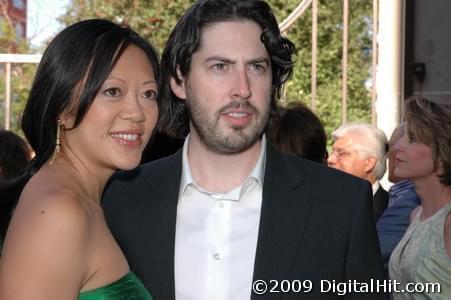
(55, 203)
(48, 235)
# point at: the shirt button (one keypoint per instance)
(220, 204)
(216, 256)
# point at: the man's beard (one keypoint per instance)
(216, 140)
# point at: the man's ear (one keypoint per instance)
(370, 163)
(179, 89)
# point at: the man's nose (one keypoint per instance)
(242, 86)
(332, 159)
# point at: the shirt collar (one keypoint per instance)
(375, 187)
(256, 175)
(400, 185)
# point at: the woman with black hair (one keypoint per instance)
(91, 110)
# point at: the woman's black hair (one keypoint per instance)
(184, 41)
(296, 130)
(72, 70)
(14, 155)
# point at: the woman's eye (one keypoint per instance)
(411, 138)
(150, 94)
(112, 92)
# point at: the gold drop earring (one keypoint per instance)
(59, 127)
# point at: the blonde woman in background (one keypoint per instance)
(424, 253)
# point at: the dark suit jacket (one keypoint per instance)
(10, 190)
(380, 202)
(316, 223)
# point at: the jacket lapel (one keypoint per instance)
(165, 192)
(285, 212)
(284, 216)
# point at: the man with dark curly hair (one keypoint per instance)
(229, 213)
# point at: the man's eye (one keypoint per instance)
(220, 67)
(258, 67)
(112, 92)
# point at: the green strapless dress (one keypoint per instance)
(128, 287)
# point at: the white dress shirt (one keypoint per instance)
(375, 186)
(216, 236)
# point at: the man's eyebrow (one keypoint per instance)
(220, 58)
(259, 61)
(339, 149)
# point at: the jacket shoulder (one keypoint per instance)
(134, 184)
(147, 172)
(313, 171)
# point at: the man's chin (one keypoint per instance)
(233, 144)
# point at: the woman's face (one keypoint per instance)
(120, 121)
(414, 159)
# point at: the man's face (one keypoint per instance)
(228, 88)
(347, 157)
(391, 155)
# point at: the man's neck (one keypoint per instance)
(220, 173)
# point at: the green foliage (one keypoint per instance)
(152, 19)
(155, 19)
(21, 77)
(329, 59)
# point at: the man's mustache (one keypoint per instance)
(242, 105)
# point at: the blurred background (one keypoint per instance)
(355, 59)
